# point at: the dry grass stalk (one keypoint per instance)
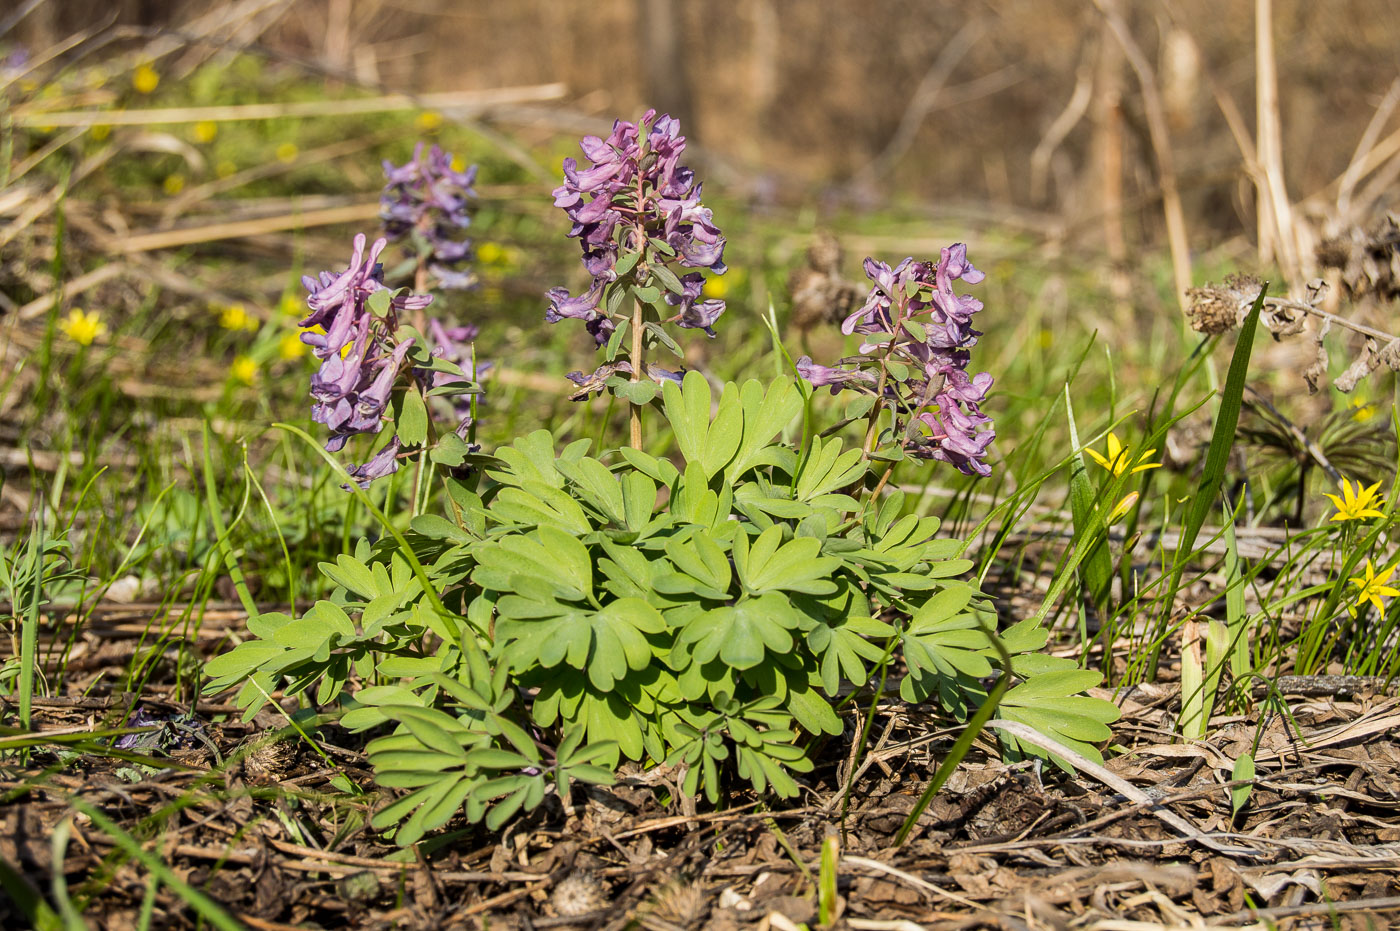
(459, 102)
(238, 229)
(1160, 134)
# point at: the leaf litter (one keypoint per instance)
(272, 825)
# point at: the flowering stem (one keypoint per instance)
(636, 409)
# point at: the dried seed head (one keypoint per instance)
(1369, 261)
(579, 893)
(678, 904)
(1217, 308)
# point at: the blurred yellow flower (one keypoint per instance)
(83, 326)
(1357, 504)
(225, 168)
(490, 254)
(205, 131)
(1372, 588)
(173, 184)
(429, 120)
(1045, 338)
(145, 79)
(236, 317)
(715, 287)
(457, 164)
(287, 152)
(101, 131)
(1119, 459)
(291, 347)
(1362, 411)
(291, 305)
(244, 370)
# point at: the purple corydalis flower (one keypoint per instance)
(695, 314)
(927, 328)
(819, 376)
(634, 179)
(429, 203)
(385, 462)
(359, 360)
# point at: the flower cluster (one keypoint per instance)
(636, 210)
(427, 202)
(360, 361)
(914, 360)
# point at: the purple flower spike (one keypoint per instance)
(360, 361)
(927, 329)
(633, 206)
(428, 204)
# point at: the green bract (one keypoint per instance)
(704, 616)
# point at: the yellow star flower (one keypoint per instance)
(83, 326)
(244, 370)
(287, 153)
(429, 120)
(292, 305)
(1372, 588)
(145, 79)
(173, 184)
(1119, 458)
(1358, 504)
(205, 131)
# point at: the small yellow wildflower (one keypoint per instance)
(287, 152)
(205, 131)
(83, 326)
(715, 287)
(1045, 338)
(101, 131)
(457, 164)
(236, 317)
(145, 79)
(244, 370)
(225, 168)
(429, 120)
(1362, 411)
(1357, 504)
(490, 254)
(290, 347)
(173, 184)
(291, 305)
(1372, 588)
(1119, 459)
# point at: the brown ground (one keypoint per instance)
(1002, 846)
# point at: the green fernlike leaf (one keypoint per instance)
(1051, 704)
(605, 643)
(709, 445)
(740, 633)
(765, 566)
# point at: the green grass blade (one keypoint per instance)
(216, 515)
(1222, 441)
(207, 908)
(1096, 570)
